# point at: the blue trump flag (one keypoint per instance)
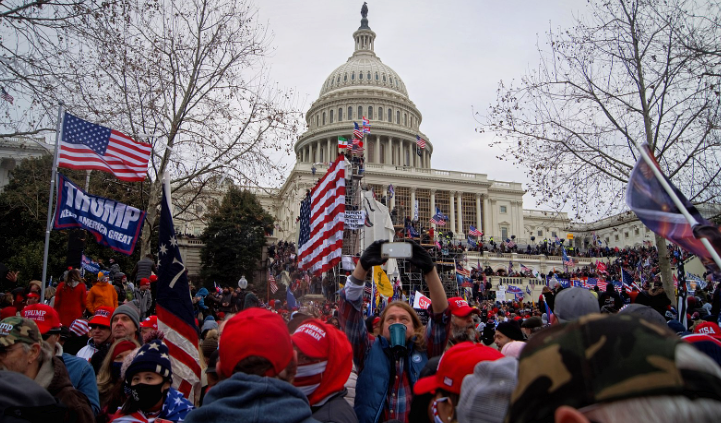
(113, 224)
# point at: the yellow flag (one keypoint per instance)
(383, 284)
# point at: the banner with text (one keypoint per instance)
(355, 219)
(114, 224)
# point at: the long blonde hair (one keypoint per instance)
(419, 330)
(105, 379)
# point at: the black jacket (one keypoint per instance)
(335, 410)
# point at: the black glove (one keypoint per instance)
(372, 255)
(421, 259)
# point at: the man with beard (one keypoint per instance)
(463, 328)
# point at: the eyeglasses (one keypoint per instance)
(5, 351)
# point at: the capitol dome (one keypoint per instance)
(365, 87)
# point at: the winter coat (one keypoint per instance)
(335, 410)
(101, 294)
(143, 300)
(54, 377)
(70, 302)
(143, 269)
(253, 399)
(175, 409)
(82, 377)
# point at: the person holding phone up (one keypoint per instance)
(389, 364)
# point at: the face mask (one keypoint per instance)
(115, 370)
(436, 417)
(146, 396)
(308, 377)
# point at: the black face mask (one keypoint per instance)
(146, 396)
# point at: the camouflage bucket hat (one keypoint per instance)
(601, 358)
(14, 330)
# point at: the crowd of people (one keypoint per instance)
(92, 351)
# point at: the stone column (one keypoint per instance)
(479, 221)
(376, 149)
(331, 152)
(460, 213)
(433, 205)
(452, 202)
(486, 216)
(389, 151)
(413, 202)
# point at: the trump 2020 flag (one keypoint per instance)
(175, 307)
(87, 146)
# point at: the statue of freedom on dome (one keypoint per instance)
(364, 10)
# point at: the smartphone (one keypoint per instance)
(396, 250)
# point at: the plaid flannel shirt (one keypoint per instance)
(398, 400)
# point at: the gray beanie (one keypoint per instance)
(129, 310)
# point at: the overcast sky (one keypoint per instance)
(451, 56)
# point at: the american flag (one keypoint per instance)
(462, 271)
(566, 260)
(473, 231)
(525, 269)
(510, 244)
(601, 285)
(6, 95)
(421, 142)
(368, 290)
(174, 306)
(322, 216)
(87, 146)
(436, 221)
(357, 132)
(273, 285)
(366, 126)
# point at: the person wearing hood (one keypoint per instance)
(323, 368)
(70, 298)
(200, 302)
(256, 374)
(23, 350)
(102, 294)
(208, 324)
(148, 382)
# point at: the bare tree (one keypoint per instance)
(620, 75)
(187, 77)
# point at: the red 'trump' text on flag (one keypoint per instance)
(322, 218)
(87, 146)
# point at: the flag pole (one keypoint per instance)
(679, 205)
(48, 226)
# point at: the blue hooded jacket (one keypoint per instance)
(202, 293)
(253, 399)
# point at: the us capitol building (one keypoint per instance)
(365, 86)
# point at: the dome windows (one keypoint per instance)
(340, 114)
(323, 118)
(384, 79)
(331, 116)
(360, 112)
(398, 117)
(376, 76)
(345, 78)
(350, 113)
(390, 115)
(380, 114)
(352, 76)
(370, 112)
(369, 75)
(360, 75)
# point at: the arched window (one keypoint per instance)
(405, 118)
(352, 76)
(322, 150)
(323, 118)
(350, 113)
(340, 114)
(376, 76)
(384, 79)
(380, 114)
(360, 75)
(345, 78)
(390, 115)
(370, 112)
(398, 117)
(331, 116)
(369, 75)
(360, 112)
(316, 120)
(332, 81)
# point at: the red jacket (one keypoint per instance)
(70, 302)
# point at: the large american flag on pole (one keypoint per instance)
(175, 307)
(87, 146)
(421, 142)
(322, 218)
(273, 285)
